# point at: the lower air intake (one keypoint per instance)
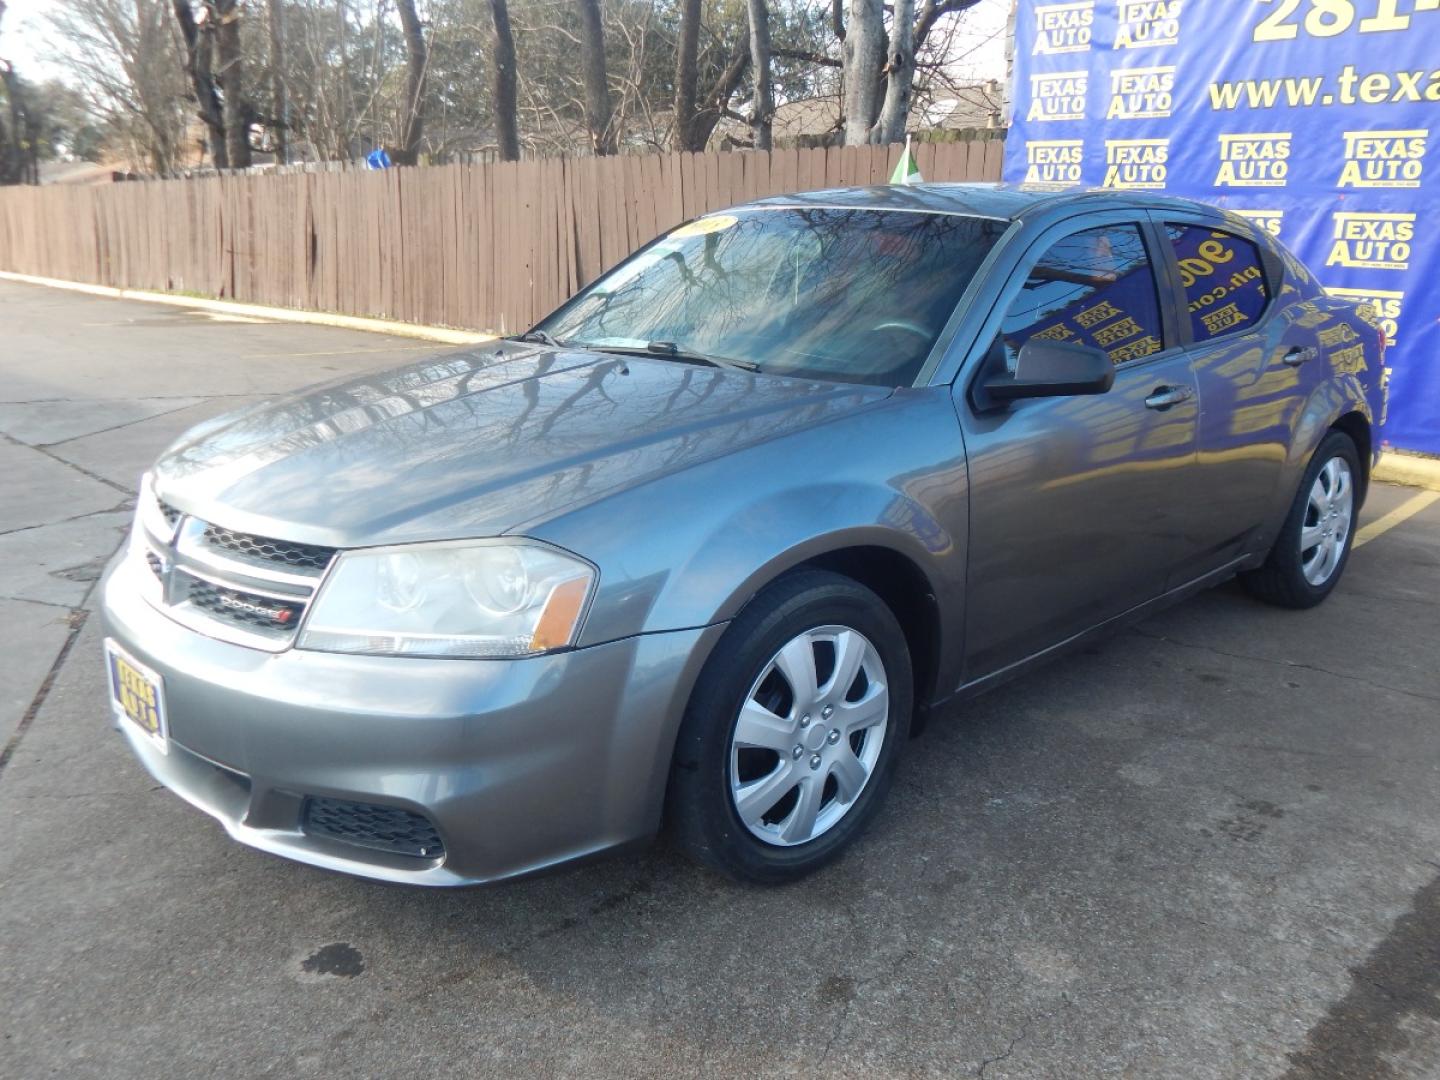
(379, 828)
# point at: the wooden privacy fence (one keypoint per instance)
(488, 247)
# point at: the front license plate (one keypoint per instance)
(137, 694)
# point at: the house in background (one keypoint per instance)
(816, 121)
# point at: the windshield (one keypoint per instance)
(854, 295)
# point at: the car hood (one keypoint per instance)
(476, 442)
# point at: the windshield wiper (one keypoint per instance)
(539, 337)
(675, 352)
(670, 351)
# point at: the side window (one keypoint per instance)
(1224, 284)
(1095, 288)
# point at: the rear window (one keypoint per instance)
(1223, 277)
(856, 295)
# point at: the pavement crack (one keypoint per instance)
(71, 795)
(838, 1029)
(114, 427)
(77, 623)
(67, 463)
(78, 616)
(1294, 664)
(42, 603)
(124, 506)
(1024, 1031)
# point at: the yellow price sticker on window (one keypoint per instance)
(706, 225)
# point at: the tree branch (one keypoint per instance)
(931, 10)
(807, 57)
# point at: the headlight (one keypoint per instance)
(473, 599)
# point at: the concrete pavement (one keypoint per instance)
(1209, 847)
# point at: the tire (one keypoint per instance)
(1296, 576)
(795, 753)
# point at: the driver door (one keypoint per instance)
(1077, 503)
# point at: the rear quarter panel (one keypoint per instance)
(1346, 376)
(1291, 409)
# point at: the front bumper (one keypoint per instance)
(520, 765)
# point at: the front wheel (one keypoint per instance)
(1314, 543)
(792, 734)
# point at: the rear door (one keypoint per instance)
(1076, 503)
(1253, 366)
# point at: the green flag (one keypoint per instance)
(906, 171)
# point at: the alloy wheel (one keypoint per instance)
(808, 735)
(1326, 526)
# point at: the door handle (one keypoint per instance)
(1299, 354)
(1162, 397)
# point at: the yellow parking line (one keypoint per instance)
(1404, 512)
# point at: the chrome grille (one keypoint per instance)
(248, 610)
(264, 550)
(235, 586)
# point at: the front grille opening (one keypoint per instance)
(260, 549)
(170, 513)
(368, 825)
(153, 561)
(243, 609)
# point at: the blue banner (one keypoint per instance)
(1313, 118)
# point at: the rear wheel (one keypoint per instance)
(1314, 543)
(791, 736)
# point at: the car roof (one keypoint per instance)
(1004, 202)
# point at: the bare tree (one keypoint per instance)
(597, 87)
(230, 76)
(507, 128)
(880, 67)
(279, 104)
(11, 136)
(864, 53)
(687, 73)
(198, 50)
(899, 75)
(338, 77)
(930, 12)
(123, 57)
(696, 117)
(638, 82)
(412, 125)
(762, 105)
(19, 163)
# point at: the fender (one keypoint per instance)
(902, 543)
(691, 548)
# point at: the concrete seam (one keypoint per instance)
(68, 464)
(78, 616)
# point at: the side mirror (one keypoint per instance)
(1052, 369)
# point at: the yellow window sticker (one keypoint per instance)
(705, 225)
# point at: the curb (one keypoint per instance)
(1397, 467)
(441, 334)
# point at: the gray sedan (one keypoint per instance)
(706, 546)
